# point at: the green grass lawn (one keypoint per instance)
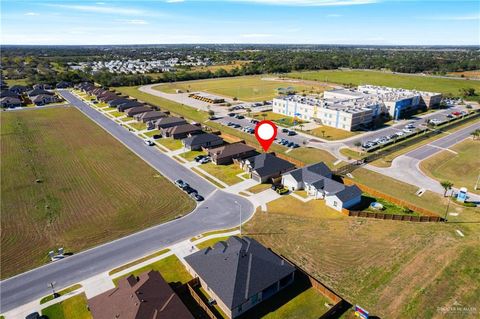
(246, 88)
(388, 207)
(170, 143)
(331, 133)
(259, 188)
(348, 152)
(138, 261)
(462, 168)
(71, 308)
(424, 83)
(214, 182)
(280, 119)
(171, 269)
(61, 293)
(190, 155)
(220, 231)
(312, 155)
(139, 126)
(226, 173)
(16, 82)
(62, 174)
(152, 133)
(211, 242)
(116, 114)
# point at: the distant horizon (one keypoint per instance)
(251, 44)
(290, 22)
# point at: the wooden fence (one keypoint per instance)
(193, 283)
(406, 218)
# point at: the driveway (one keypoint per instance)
(218, 211)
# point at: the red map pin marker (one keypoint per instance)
(265, 132)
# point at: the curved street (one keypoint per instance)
(219, 210)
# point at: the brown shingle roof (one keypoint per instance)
(149, 297)
(230, 150)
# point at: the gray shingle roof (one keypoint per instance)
(201, 139)
(311, 173)
(266, 164)
(348, 193)
(238, 269)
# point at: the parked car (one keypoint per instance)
(253, 121)
(231, 114)
(149, 143)
(189, 190)
(196, 197)
(291, 133)
(230, 124)
(204, 160)
(199, 157)
(274, 187)
(156, 136)
(181, 183)
(295, 145)
(284, 130)
(406, 130)
(290, 144)
(239, 116)
(34, 315)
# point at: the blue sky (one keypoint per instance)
(241, 21)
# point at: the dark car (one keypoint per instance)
(189, 190)
(199, 157)
(240, 117)
(290, 144)
(33, 315)
(181, 183)
(231, 114)
(284, 130)
(254, 121)
(291, 133)
(295, 145)
(230, 124)
(196, 197)
(156, 136)
(274, 187)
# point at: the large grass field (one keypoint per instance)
(462, 168)
(245, 88)
(393, 269)
(425, 83)
(67, 183)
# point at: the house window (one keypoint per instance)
(254, 299)
(335, 203)
(239, 309)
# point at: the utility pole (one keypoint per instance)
(448, 205)
(51, 285)
(476, 184)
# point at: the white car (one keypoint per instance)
(406, 130)
(399, 133)
(149, 142)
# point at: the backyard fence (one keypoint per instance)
(406, 218)
(193, 283)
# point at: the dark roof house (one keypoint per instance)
(36, 92)
(10, 102)
(197, 142)
(127, 105)
(63, 85)
(137, 110)
(181, 131)
(18, 89)
(43, 99)
(169, 121)
(149, 116)
(266, 166)
(147, 296)
(227, 153)
(116, 102)
(8, 93)
(240, 273)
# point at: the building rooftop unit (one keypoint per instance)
(345, 105)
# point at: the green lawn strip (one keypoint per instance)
(139, 126)
(302, 193)
(116, 114)
(352, 154)
(258, 188)
(138, 261)
(152, 133)
(16, 82)
(388, 207)
(190, 155)
(331, 133)
(214, 232)
(61, 293)
(310, 155)
(461, 168)
(171, 269)
(226, 173)
(211, 242)
(280, 119)
(357, 77)
(170, 143)
(214, 182)
(71, 308)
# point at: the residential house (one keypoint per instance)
(119, 100)
(137, 110)
(181, 131)
(170, 121)
(107, 96)
(42, 86)
(197, 142)
(149, 116)
(8, 93)
(239, 273)
(147, 296)
(265, 167)
(18, 89)
(10, 102)
(227, 153)
(316, 180)
(63, 85)
(127, 105)
(36, 92)
(43, 99)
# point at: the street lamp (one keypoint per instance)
(448, 205)
(240, 210)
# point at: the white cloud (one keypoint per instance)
(256, 35)
(174, 1)
(468, 17)
(134, 21)
(312, 3)
(100, 9)
(31, 14)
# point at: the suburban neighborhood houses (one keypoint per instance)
(312, 159)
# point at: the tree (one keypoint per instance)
(323, 133)
(301, 126)
(447, 185)
(211, 113)
(264, 115)
(249, 111)
(475, 134)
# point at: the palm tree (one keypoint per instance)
(475, 134)
(447, 185)
(249, 111)
(323, 133)
(301, 127)
(264, 115)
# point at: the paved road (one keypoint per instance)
(405, 168)
(218, 211)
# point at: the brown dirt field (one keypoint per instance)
(93, 189)
(393, 269)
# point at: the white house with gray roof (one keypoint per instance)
(316, 180)
(239, 273)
